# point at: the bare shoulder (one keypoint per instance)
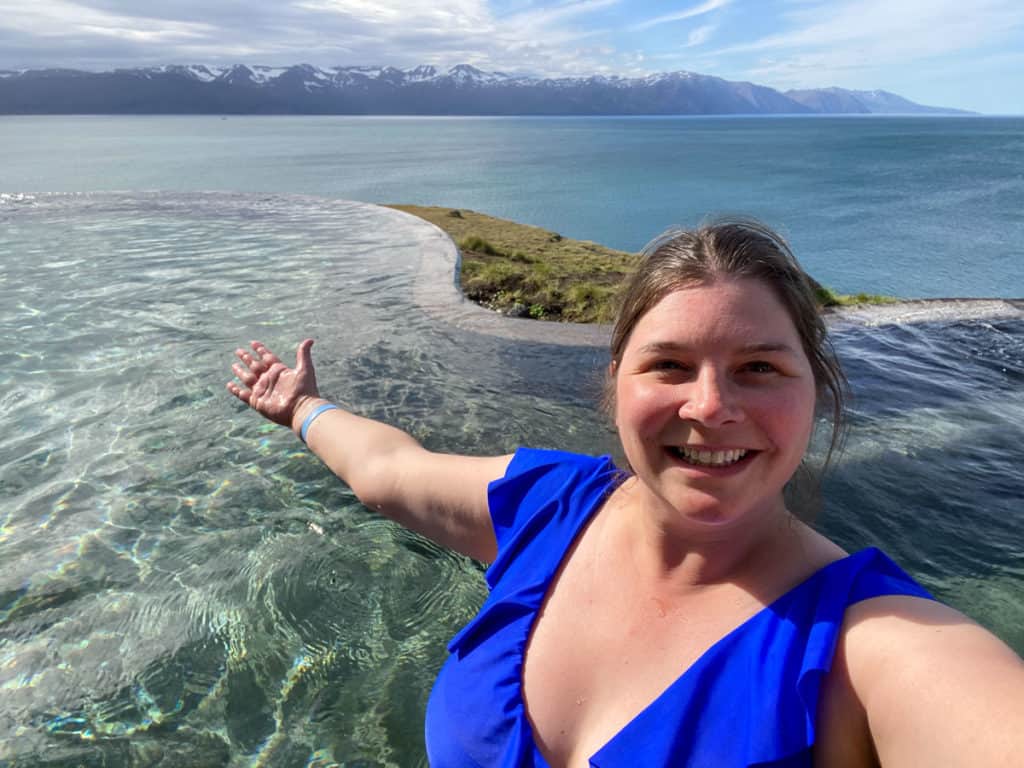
(936, 688)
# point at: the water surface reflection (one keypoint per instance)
(181, 582)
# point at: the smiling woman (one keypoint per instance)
(753, 255)
(677, 613)
(699, 401)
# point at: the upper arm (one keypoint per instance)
(937, 689)
(441, 496)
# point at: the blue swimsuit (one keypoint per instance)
(751, 699)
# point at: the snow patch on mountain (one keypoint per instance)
(462, 89)
(420, 73)
(263, 75)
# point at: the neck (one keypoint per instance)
(683, 555)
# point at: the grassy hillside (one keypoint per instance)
(532, 272)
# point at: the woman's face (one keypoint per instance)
(715, 400)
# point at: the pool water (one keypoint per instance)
(183, 584)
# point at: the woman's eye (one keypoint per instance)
(760, 366)
(666, 365)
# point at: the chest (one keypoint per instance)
(604, 662)
(578, 693)
(602, 650)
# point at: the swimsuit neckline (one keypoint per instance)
(702, 660)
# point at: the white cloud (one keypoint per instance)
(543, 40)
(439, 15)
(893, 31)
(60, 18)
(362, 9)
(541, 17)
(564, 38)
(858, 43)
(847, 42)
(689, 13)
(700, 35)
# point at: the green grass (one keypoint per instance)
(478, 244)
(829, 298)
(533, 272)
(530, 271)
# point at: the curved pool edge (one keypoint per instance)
(928, 311)
(436, 291)
(436, 283)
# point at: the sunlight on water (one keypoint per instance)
(184, 583)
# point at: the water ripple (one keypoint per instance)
(184, 584)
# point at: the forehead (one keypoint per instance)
(733, 312)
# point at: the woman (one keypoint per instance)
(678, 613)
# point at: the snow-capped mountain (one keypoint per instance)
(422, 90)
(843, 101)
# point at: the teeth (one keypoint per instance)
(711, 458)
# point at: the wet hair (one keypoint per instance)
(733, 249)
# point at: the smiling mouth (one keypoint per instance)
(700, 457)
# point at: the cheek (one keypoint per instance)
(789, 416)
(640, 407)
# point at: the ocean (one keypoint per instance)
(183, 584)
(908, 206)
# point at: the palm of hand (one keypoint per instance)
(271, 387)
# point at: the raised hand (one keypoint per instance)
(271, 387)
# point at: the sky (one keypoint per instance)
(967, 54)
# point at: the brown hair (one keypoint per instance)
(738, 248)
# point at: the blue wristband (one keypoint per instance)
(313, 417)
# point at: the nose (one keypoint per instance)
(710, 399)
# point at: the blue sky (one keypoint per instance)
(955, 53)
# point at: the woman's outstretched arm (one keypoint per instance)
(441, 496)
(935, 688)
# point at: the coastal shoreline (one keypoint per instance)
(438, 290)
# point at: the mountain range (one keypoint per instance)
(422, 90)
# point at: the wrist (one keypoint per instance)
(305, 406)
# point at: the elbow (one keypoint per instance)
(370, 491)
(376, 485)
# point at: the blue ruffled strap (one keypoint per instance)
(475, 715)
(545, 491)
(752, 699)
(537, 509)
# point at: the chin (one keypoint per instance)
(709, 512)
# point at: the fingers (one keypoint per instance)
(237, 391)
(259, 371)
(259, 362)
(303, 356)
(245, 375)
(266, 356)
(264, 385)
(248, 372)
(252, 364)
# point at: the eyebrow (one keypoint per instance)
(661, 347)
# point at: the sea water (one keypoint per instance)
(183, 583)
(909, 206)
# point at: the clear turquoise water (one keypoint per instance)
(181, 584)
(917, 207)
